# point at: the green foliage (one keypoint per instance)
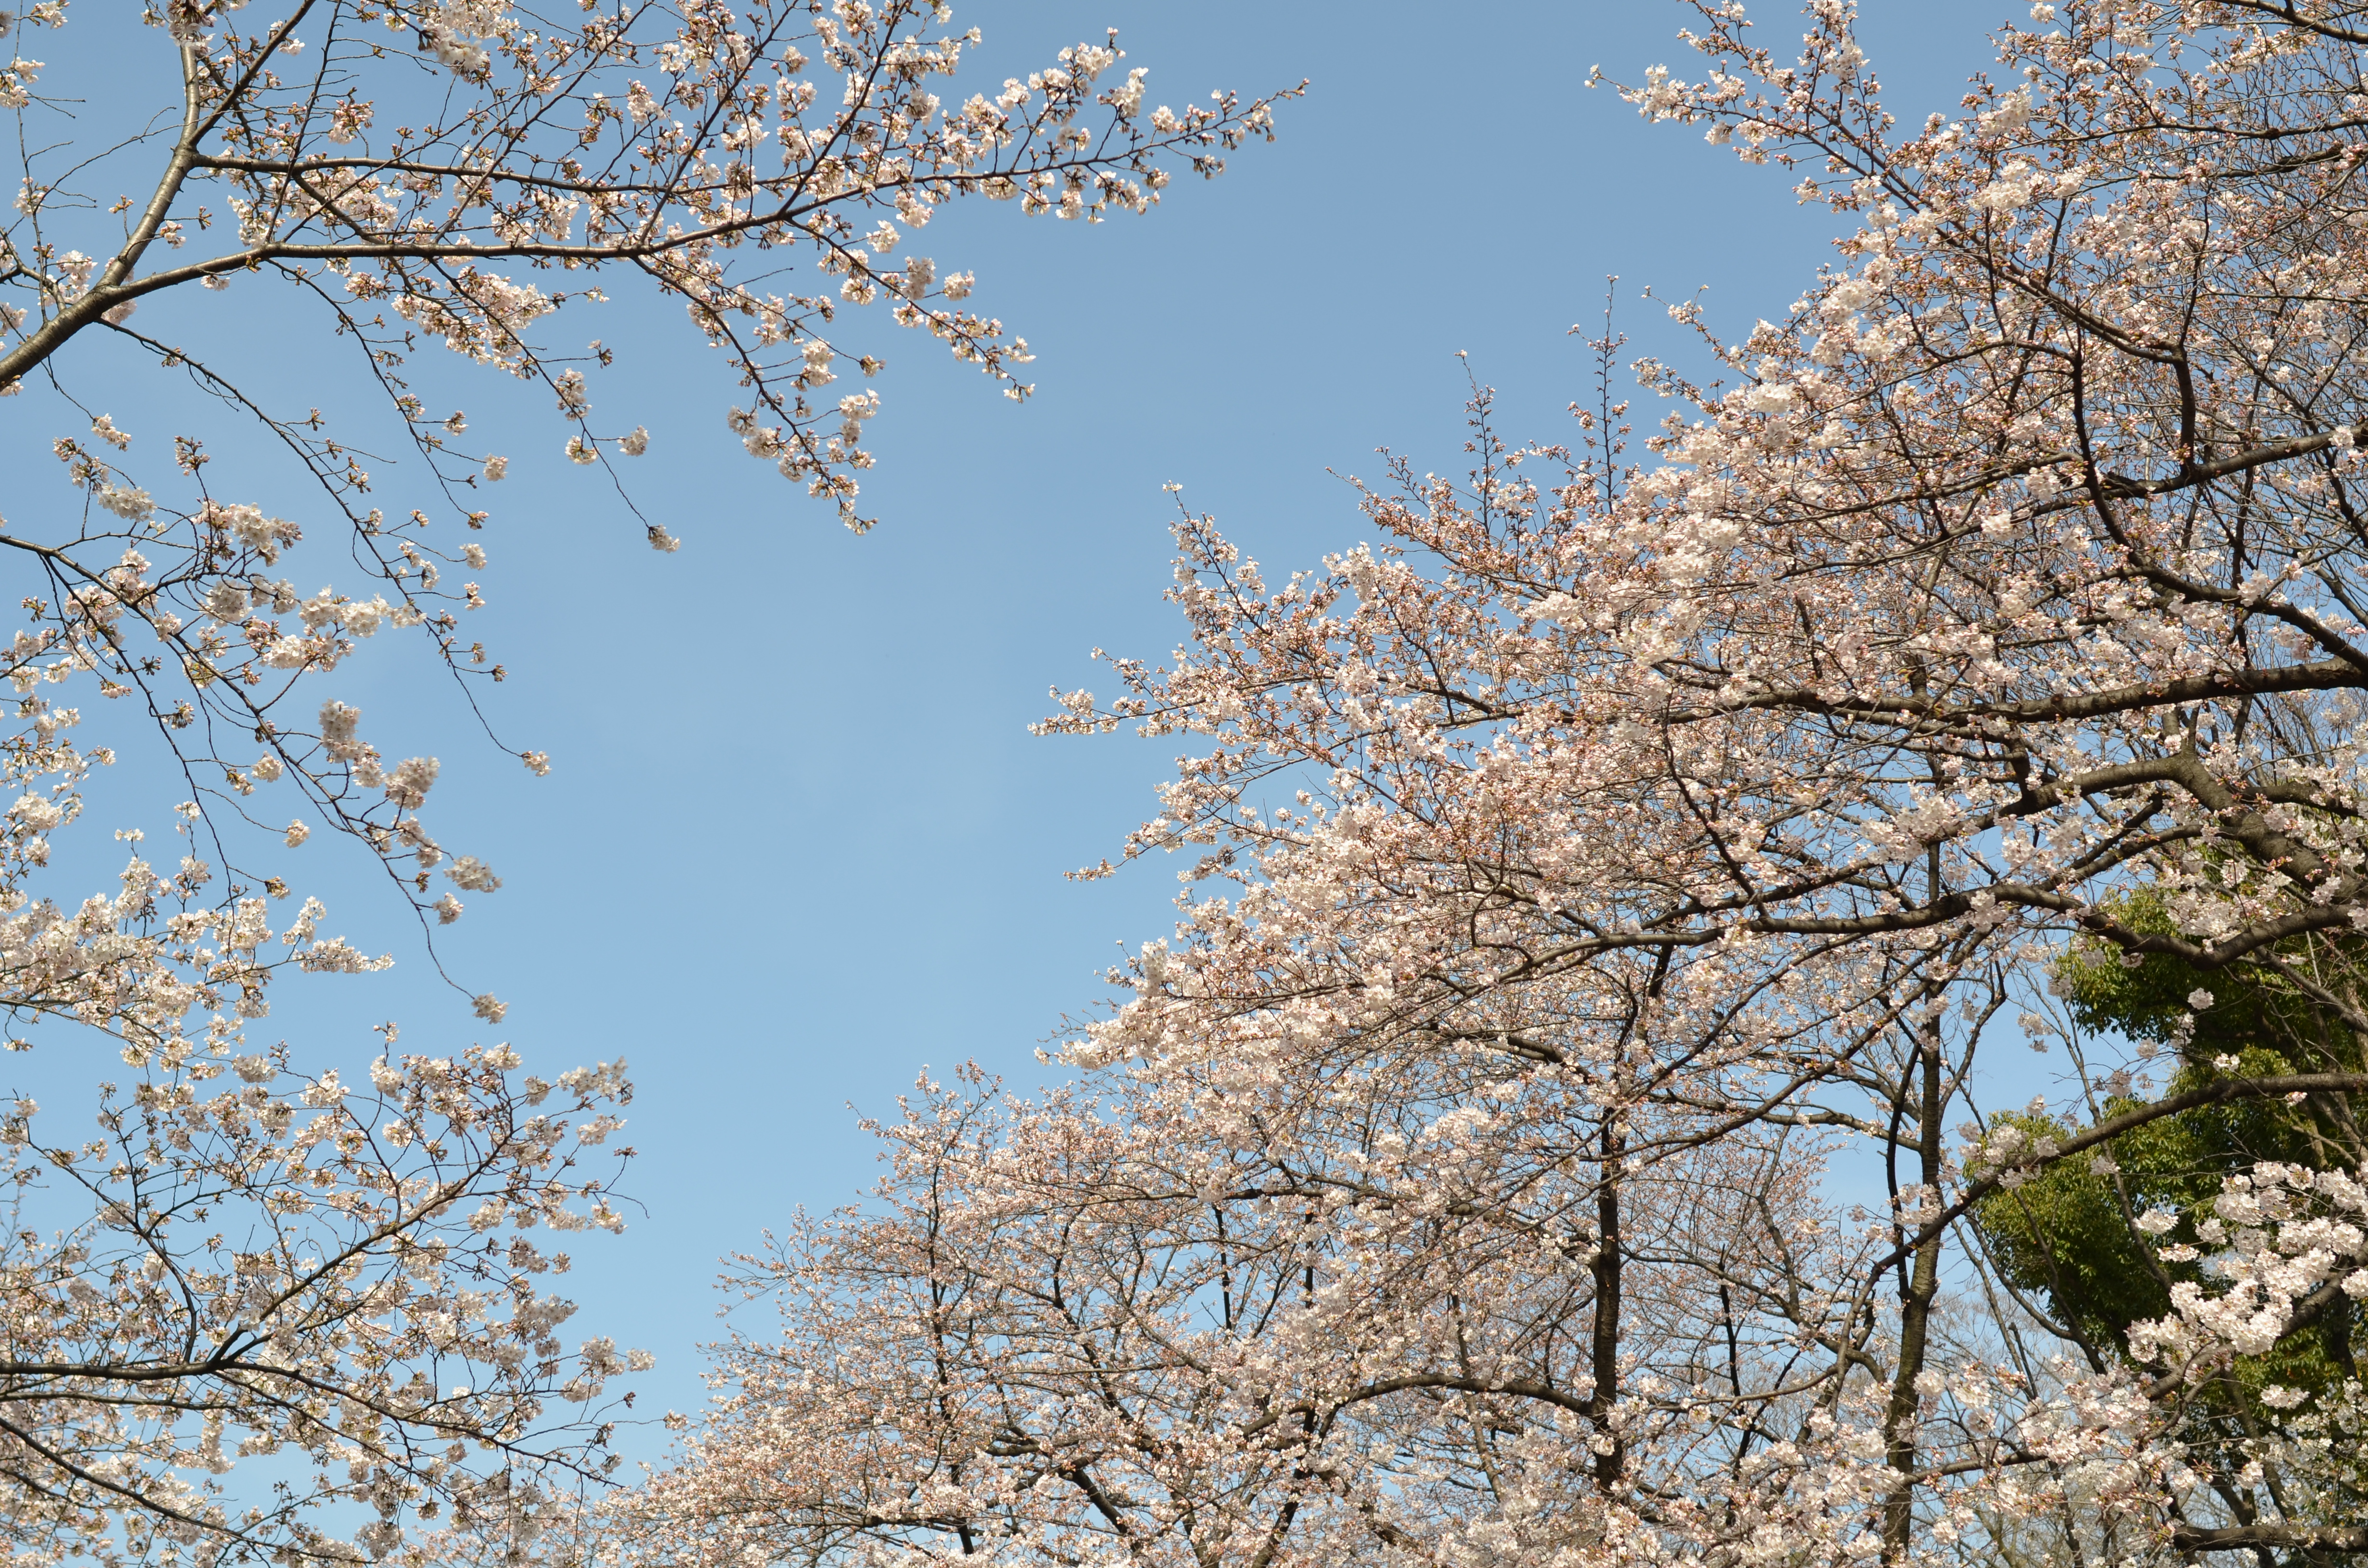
(2254, 1007)
(2067, 1237)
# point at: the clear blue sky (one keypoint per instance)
(798, 842)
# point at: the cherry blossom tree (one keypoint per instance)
(336, 1287)
(1566, 1124)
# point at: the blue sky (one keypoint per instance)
(798, 842)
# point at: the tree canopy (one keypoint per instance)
(1565, 1123)
(349, 1289)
